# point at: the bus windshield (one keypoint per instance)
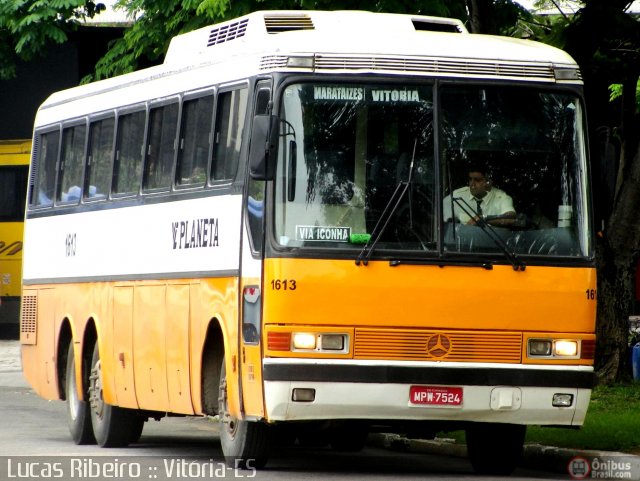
(507, 173)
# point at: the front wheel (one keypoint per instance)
(78, 412)
(113, 426)
(495, 449)
(245, 444)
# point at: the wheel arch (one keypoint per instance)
(65, 336)
(89, 340)
(213, 351)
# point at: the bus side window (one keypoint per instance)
(163, 126)
(99, 157)
(128, 160)
(71, 164)
(195, 141)
(42, 194)
(230, 120)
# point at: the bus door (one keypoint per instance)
(251, 279)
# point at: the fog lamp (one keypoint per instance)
(562, 400)
(565, 348)
(303, 395)
(304, 340)
(539, 347)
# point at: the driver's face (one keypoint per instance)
(479, 185)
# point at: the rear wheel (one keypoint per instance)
(495, 449)
(245, 444)
(78, 412)
(112, 426)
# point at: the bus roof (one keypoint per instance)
(354, 32)
(340, 42)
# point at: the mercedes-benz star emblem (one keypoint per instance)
(438, 345)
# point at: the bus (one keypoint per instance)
(14, 166)
(256, 231)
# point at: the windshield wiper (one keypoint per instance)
(518, 265)
(387, 214)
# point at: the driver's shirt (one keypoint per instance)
(496, 202)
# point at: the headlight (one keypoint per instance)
(565, 348)
(332, 342)
(553, 348)
(308, 341)
(304, 340)
(320, 342)
(539, 347)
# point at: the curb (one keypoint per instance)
(536, 456)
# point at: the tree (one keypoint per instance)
(27, 28)
(605, 41)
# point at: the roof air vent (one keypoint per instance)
(436, 26)
(287, 23)
(227, 32)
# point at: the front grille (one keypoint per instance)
(426, 345)
(28, 320)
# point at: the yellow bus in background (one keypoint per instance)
(273, 229)
(14, 167)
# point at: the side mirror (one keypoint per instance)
(264, 146)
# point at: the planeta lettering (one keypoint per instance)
(196, 233)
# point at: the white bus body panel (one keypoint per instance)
(175, 239)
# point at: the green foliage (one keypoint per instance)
(615, 92)
(28, 27)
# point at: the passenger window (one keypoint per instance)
(71, 164)
(230, 117)
(195, 141)
(99, 159)
(42, 194)
(128, 161)
(163, 126)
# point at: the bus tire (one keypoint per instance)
(113, 426)
(245, 444)
(78, 412)
(495, 448)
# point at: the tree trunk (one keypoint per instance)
(481, 16)
(617, 252)
(615, 300)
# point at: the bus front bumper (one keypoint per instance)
(312, 389)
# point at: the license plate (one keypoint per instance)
(435, 395)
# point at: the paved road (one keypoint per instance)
(34, 440)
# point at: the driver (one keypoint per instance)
(480, 199)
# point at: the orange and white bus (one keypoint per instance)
(14, 167)
(260, 229)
